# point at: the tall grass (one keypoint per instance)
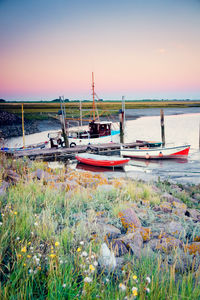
(41, 256)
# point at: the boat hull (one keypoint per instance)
(30, 147)
(114, 138)
(101, 161)
(157, 153)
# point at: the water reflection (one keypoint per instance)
(95, 169)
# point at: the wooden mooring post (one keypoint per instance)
(121, 119)
(162, 127)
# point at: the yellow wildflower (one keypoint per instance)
(19, 255)
(28, 256)
(23, 249)
(15, 212)
(29, 243)
(91, 267)
(78, 249)
(24, 265)
(134, 291)
(39, 268)
(52, 255)
(134, 277)
(57, 244)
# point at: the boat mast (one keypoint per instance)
(23, 125)
(93, 106)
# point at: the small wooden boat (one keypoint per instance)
(29, 147)
(156, 153)
(101, 160)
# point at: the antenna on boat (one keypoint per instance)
(23, 125)
(93, 104)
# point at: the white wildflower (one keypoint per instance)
(148, 280)
(30, 271)
(84, 253)
(147, 290)
(36, 224)
(61, 261)
(95, 263)
(122, 286)
(1, 223)
(88, 279)
(134, 289)
(107, 280)
(17, 238)
(64, 285)
(82, 243)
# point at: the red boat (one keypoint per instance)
(101, 160)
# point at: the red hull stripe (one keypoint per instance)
(182, 152)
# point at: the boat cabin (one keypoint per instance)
(98, 129)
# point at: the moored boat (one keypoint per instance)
(29, 147)
(101, 160)
(157, 153)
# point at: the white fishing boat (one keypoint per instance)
(156, 153)
(98, 132)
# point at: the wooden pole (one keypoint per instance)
(93, 103)
(23, 125)
(199, 135)
(162, 127)
(121, 119)
(66, 142)
(80, 108)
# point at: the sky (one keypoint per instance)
(142, 49)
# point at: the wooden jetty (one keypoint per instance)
(49, 154)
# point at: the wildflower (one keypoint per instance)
(82, 243)
(28, 256)
(64, 285)
(147, 290)
(36, 224)
(24, 265)
(39, 254)
(15, 212)
(95, 263)
(92, 256)
(134, 277)
(61, 261)
(92, 268)
(135, 291)
(78, 249)
(30, 271)
(39, 268)
(32, 233)
(17, 238)
(107, 280)
(1, 223)
(19, 255)
(23, 249)
(31, 248)
(57, 244)
(122, 286)
(88, 279)
(84, 253)
(29, 243)
(148, 280)
(52, 255)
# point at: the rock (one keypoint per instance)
(193, 248)
(107, 258)
(118, 248)
(167, 244)
(174, 228)
(166, 207)
(169, 198)
(179, 205)
(193, 213)
(129, 219)
(145, 233)
(179, 212)
(184, 262)
(13, 176)
(152, 244)
(133, 241)
(3, 188)
(41, 174)
(196, 196)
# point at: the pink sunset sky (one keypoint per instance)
(140, 49)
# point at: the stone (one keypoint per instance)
(129, 219)
(166, 207)
(193, 213)
(152, 244)
(3, 188)
(13, 176)
(133, 240)
(179, 212)
(169, 198)
(118, 247)
(167, 244)
(174, 228)
(193, 248)
(136, 251)
(107, 258)
(179, 205)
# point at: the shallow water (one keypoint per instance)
(181, 127)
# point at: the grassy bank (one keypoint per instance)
(51, 237)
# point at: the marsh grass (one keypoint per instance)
(40, 236)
